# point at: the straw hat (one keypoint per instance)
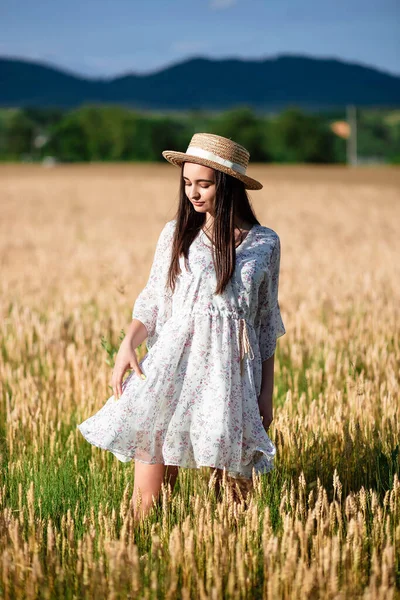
(217, 152)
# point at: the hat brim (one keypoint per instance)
(177, 158)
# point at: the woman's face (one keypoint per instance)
(200, 186)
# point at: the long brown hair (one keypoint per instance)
(231, 200)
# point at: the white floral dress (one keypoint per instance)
(198, 405)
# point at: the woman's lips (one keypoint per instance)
(197, 203)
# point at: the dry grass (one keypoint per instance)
(75, 247)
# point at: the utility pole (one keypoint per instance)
(352, 138)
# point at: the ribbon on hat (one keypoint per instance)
(200, 153)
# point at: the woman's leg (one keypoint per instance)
(218, 481)
(245, 485)
(148, 480)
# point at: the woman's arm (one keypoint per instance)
(154, 303)
(267, 388)
(270, 327)
(151, 309)
(136, 333)
(126, 356)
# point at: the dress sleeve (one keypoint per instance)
(270, 324)
(153, 305)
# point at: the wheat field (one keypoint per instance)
(76, 244)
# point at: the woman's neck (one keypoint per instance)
(240, 225)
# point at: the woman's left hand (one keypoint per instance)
(266, 392)
(266, 411)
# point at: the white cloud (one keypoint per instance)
(221, 4)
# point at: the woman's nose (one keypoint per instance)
(195, 194)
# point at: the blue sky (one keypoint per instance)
(111, 37)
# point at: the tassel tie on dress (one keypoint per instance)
(244, 343)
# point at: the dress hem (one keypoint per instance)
(229, 471)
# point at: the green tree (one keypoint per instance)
(167, 134)
(68, 141)
(96, 130)
(394, 152)
(243, 126)
(373, 135)
(44, 117)
(19, 135)
(297, 137)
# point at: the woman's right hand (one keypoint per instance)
(126, 359)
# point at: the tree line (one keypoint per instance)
(115, 133)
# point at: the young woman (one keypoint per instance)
(202, 395)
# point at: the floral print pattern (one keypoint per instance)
(198, 405)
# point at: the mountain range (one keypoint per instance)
(203, 83)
